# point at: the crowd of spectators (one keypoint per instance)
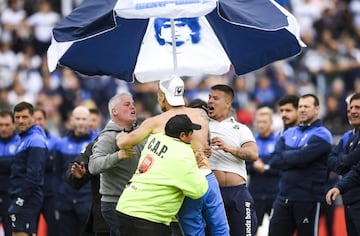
(329, 66)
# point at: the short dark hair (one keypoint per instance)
(198, 103)
(5, 113)
(356, 96)
(24, 106)
(292, 99)
(310, 95)
(225, 88)
(94, 111)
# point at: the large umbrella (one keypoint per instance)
(154, 39)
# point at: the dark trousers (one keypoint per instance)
(328, 212)
(240, 210)
(288, 216)
(72, 220)
(262, 207)
(352, 218)
(48, 210)
(133, 226)
(108, 211)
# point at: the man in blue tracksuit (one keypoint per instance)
(73, 205)
(9, 140)
(301, 155)
(27, 172)
(342, 159)
(48, 206)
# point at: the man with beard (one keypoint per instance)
(288, 107)
(264, 179)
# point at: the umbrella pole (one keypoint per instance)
(173, 45)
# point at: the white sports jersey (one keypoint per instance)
(232, 133)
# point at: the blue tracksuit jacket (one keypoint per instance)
(27, 170)
(7, 153)
(66, 150)
(301, 153)
(50, 178)
(339, 162)
(351, 181)
(343, 158)
(264, 185)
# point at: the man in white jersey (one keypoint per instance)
(232, 144)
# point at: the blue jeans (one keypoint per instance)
(110, 216)
(209, 208)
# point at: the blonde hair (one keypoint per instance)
(264, 111)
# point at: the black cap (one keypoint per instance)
(178, 124)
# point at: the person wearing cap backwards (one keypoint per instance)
(166, 173)
(209, 208)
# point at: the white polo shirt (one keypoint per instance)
(232, 133)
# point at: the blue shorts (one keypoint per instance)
(209, 210)
(24, 218)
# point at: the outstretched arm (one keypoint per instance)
(127, 140)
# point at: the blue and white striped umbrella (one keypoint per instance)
(154, 39)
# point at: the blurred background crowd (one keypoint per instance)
(328, 67)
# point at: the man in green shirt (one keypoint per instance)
(167, 172)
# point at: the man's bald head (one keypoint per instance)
(80, 120)
(80, 111)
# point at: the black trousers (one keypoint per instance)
(133, 226)
(288, 216)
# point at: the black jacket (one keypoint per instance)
(95, 222)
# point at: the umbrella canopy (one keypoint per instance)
(152, 40)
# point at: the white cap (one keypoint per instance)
(173, 90)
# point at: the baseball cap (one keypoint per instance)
(173, 90)
(178, 124)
